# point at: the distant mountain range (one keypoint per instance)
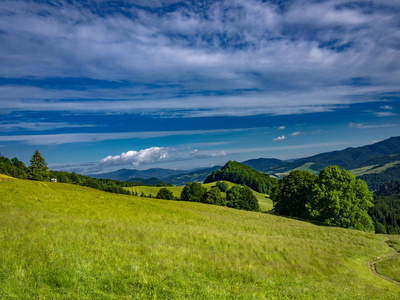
(376, 163)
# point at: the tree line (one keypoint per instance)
(237, 197)
(38, 170)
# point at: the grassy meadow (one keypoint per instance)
(60, 241)
(263, 199)
(391, 267)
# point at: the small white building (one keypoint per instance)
(53, 180)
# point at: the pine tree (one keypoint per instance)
(37, 169)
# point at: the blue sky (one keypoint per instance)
(97, 86)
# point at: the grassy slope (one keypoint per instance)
(391, 267)
(67, 242)
(373, 169)
(263, 199)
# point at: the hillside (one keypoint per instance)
(238, 173)
(349, 158)
(263, 200)
(63, 241)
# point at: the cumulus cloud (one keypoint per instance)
(279, 138)
(137, 158)
(294, 134)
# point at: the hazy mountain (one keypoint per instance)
(125, 174)
(264, 164)
(197, 175)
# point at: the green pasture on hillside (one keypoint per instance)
(263, 199)
(60, 241)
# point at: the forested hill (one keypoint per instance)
(386, 210)
(238, 173)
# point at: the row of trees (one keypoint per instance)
(236, 197)
(334, 197)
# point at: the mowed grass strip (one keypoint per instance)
(60, 241)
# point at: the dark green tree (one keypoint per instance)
(222, 185)
(37, 169)
(292, 192)
(339, 199)
(193, 192)
(213, 196)
(242, 198)
(165, 193)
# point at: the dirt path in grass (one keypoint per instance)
(372, 264)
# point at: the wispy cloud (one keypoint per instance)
(281, 127)
(364, 126)
(182, 53)
(294, 134)
(384, 114)
(39, 126)
(51, 139)
(386, 107)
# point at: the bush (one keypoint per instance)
(165, 193)
(242, 198)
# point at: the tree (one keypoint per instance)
(213, 196)
(37, 169)
(193, 192)
(164, 193)
(339, 199)
(222, 185)
(292, 192)
(241, 198)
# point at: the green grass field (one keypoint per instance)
(60, 241)
(263, 199)
(391, 267)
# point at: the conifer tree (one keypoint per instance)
(37, 169)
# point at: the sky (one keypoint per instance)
(97, 86)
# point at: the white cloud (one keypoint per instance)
(386, 107)
(38, 126)
(384, 114)
(179, 51)
(294, 134)
(279, 138)
(218, 154)
(281, 127)
(137, 158)
(66, 138)
(363, 126)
